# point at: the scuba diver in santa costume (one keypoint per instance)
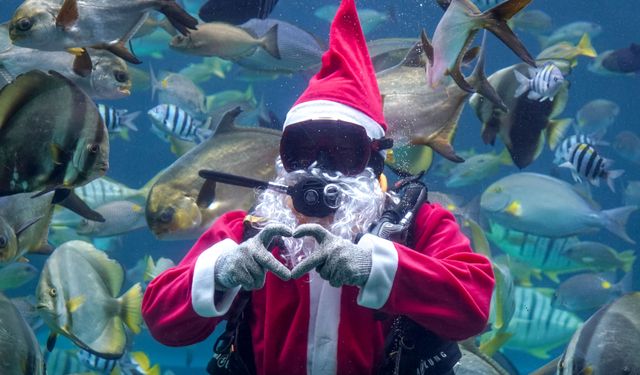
(304, 285)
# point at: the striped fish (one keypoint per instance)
(567, 144)
(544, 83)
(96, 363)
(118, 121)
(173, 120)
(537, 326)
(105, 190)
(584, 161)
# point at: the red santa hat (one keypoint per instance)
(345, 88)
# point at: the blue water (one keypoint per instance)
(137, 161)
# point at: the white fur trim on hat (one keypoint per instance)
(328, 110)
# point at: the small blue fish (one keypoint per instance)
(544, 83)
(584, 161)
(588, 291)
(118, 121)
(175, 121)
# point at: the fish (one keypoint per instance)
(538, 254)
(370, 19)
(596, 65)
(572, 32)
(118, 121)
(631, 194)
(533, 21)
(177, 209)
(457, 29)
(562, 151)
(176, 122)
(77, 297)
(475, 362)
(299, 50)
(477, 169)
(105, 190)
(68, 150)
(569, 52)
(19, 347)
(154, 45)
(16, 274)
(521, 272)
(226, 42)
(627, 146)
(443, 166)
(420, 115)
(120, 217)
(588, 291)
(595, 117)
(584, 161)
(52, 25)
(525, 124)
(409, 160)
(221, 101)
(607, 342)
(207, 69)
(108, 80)
(623, 60)
(27, 307)
(386, 53)
(503, 303)
(537, 326)
(549, 207)
(599, 257)
(178, 90)
(542, 84)
(229, 11)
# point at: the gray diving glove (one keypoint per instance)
(337, 260)
(247, 264)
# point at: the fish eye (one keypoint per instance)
(121, 76)
(497, 189)
(166, 215)
(3, 241)
(555, 79)
(53, 292)
(93, 148)
(24, 24)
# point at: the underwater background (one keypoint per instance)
(134, 162)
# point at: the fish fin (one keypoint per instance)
(566, 164)
(495, 20)
(505, 157)
(131, 303)
(124, 134)
(514, 209)
(227, 123)
(413, 58)
(142, 360)
(478, 238)
(155, 370)
(612, 175)
(615, 220)
(74, 303)
(585, 48)
(556, 131)
(26, 226)
(627, 258)
(44, 249)
(69, 199)
(471, 54)
(456, 72)
(82, 64)
(51, 341)
(524, 84)
(427, 47)
(207, 194)
(498, 340)
(68, 14)
(269, 42)
(127, 120)
(120, 49)
(534, 96)
(441, 142)
(541, 353)
(148, 270)
(479, 80)
(178, 17)
(489, 133)
(409, 160)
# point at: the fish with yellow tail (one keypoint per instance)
(77, 296)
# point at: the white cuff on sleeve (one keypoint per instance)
(384, 264)
(203, 286)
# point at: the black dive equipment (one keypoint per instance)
(313, 196)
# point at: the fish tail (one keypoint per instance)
(124, 134)
(131, 312)
(269, 42)
(556, 131)
(615, 220)
(177, 16)
(524, 84)
(612, 175)
(628, 258)
(495, 20)
(127, 120)
(480, 83)
(585, 48)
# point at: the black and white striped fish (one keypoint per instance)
(173, 120)
(563, 149)
(94, 362)
(118, 121)
(544, 83)
(584, 161)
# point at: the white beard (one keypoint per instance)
(362, 203)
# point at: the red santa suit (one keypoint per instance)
(305, 326)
